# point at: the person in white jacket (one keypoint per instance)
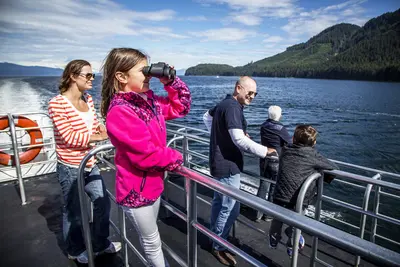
(228, 140)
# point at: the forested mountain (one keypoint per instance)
(9, 69)
(343, 51)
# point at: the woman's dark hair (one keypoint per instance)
(73, 68)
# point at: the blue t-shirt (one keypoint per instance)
(226, 159)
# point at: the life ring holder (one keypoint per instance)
(35, 135)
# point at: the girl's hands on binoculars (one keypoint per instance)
(165, 80)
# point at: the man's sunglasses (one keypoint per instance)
(251, 93)
(88, 76)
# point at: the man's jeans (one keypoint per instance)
(72, 222)
(224, 210)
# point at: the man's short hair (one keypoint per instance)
(305, 135)
(274, 113)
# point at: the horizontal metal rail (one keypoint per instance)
(353, 244)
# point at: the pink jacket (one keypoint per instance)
(137, 129)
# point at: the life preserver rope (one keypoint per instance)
(35, 135)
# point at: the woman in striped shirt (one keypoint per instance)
(76, 128)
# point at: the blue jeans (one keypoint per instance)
(72, 221)
(224, 210)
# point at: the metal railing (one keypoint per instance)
(186, 134)
(372, 252)
(15, 147)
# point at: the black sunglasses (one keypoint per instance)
(88, 76)
(252, 93)
(249, 93)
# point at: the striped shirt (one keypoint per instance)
(70, 131)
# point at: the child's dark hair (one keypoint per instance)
(119, 59)
(305, 135)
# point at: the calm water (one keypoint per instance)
(358, 122)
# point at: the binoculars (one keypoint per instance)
(159, 70)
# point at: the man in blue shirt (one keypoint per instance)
(228, 139)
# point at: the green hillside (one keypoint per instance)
(343, 51)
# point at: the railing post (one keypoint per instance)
(191, 196)
(83, 203)
(85, 213)
(318, 208)
(299, 209)
(234, 230)
(16, 157)
(122, 228)
(364, 216)
(166, 177)
(166, 193)
(185, 145)
(376, 211)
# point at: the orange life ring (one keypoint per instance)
(35, 135)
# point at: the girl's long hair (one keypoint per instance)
(73, 68)
(119, 59)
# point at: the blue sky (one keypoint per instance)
(183, 33)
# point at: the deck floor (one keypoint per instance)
(31, 234)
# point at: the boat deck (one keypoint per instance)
(31, 234)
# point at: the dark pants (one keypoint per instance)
(268, 169)
(276, 226)
(72, 221)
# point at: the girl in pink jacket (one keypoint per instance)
(135, 121)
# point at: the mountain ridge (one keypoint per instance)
(342, 51)
(11, 70)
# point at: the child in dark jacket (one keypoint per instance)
(297, 162)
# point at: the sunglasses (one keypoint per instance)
(88, 76)
(251, 93)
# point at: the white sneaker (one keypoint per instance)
(114, 247)
(81, 258)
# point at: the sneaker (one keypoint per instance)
(114, 247)
(81, 258)
(273, 242)
(302, 243)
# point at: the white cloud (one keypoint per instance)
(35, 31)
(225, 34)
(313, 22)
(273, 39)
(239, 4)
(247, 19)
(195, 18)
(252, 12)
